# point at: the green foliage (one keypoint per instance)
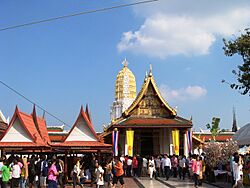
(240, 46)
(214, 128)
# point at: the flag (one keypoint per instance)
(130, 140)
(115, 136)
(189, 141)
(176, 141)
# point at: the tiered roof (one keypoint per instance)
(22, 132)
(41, 127)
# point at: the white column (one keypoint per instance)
(185, 145)
(170, 142)
(126, 145)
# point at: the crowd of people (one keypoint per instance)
(165, 166)
(42, 171)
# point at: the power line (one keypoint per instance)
(39, 106)
(77, 14)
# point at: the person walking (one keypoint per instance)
(99, 176)
(5, 174)
(24, 173)
(60, 168)
(108, 172)
(144, 166)
(174, 161)
(197, 170)
(76, 173)
(157, 166)
(129, 166)
(151, 167)
(167, 166)
(238, 171)
(52, 175)
(135, 166)
(44, 169)
(1, 165)
(118, 173)
(16, 172)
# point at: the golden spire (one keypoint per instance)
(125, 86)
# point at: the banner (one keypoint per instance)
(130, 140)
(189, 135)
(176, 141)
(115, 136)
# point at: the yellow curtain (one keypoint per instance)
(130, 140)
(176, 141)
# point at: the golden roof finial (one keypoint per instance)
(125, 62)
(150, 70)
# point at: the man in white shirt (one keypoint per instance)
(167, 166)
(99, 176)
(129, 166)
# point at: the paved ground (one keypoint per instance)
(146, 182)
(177, 183)
(161, 183)
(129, 183)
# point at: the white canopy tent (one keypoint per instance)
(242, 136)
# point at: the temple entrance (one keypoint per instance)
(147, 143)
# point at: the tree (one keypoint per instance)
(214, 129)
(219, 152)
(240, 46)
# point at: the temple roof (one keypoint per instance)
(82, 130)
(137, 122)
(88, 113)
(149, 81)
(23, 127)
(41, 127)
(82, 144)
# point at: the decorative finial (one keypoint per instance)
(125, 62)
(150, 70)
(146, 76)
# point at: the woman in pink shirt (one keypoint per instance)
(197, 170)
(52, 175)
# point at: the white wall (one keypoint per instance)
(81, 132)
(17, 133)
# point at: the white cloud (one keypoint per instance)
(168, 30)
(182, 94)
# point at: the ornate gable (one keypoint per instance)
(22, 129)
(82, 130)
(149, 102)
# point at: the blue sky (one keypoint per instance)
(66, 63)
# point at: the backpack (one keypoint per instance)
(45, 169)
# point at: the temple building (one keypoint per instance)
(155, 126)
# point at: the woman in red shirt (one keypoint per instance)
(135, 166)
